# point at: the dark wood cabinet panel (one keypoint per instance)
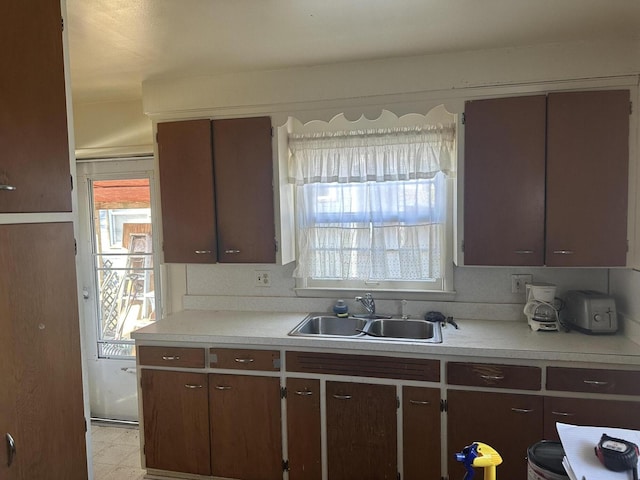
(246, 435)
(243, 166)
(494, 375)
(586, 411)
(421, 443)
(171, 357)
(40, 345)
(427, 370)
(245, 359)
(593, 380)
(587, 171)
(304, 429)
(361, 431)
(34, 140)
(504, 173)
(510, 423)
(187, 192)
(176, 421)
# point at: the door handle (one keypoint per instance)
(11, 449)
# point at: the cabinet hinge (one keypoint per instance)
(398, 402)
(85, 425)
(285, 465)
(157, 138)
(62, 23)
(399, 477)
(462, 246)
(464, 118)
(444, 407)
(630, 108)
(75, 249)
(272, 132)
(276, 244)
(71, 177)
(283, 392)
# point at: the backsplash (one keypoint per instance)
(483, 293)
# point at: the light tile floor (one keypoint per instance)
(116, 453)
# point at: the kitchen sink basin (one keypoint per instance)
(408, 330)
(405, 329)
(329, 325)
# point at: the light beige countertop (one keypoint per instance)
(474, 338)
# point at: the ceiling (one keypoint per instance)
(114, 45)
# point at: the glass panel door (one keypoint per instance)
(123, 266)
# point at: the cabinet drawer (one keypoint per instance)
(494, 375)
(171, 357)
(364, 366)
(241, 359)
(593, 380)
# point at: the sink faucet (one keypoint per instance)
(368, 303)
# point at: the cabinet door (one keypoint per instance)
(243, 165)
(361, 431)
(421, 432)
(176, 421)
(583, 411)
(509, 423)
(303, 429)
(587, 178)
(34, 170)
(504, 173)
(40, 345)
(246, 435)
(187, 192)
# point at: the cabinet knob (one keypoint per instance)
(419, 402)
(492, 377)
(562, 414)
(192, 386)
(7, 188)
(170, 358)
(222, 387)
(524, 252)
(203, 252)
(521, 410)
(232, 251)
(342, 397)
(11, 449)
(563, 252)
(596, 383)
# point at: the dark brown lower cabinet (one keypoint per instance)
(303, 429)
(41, 404)
(510, 423)
(586, 411)
(421, 443)
(176, 421)
(361, 431)
(245, 419)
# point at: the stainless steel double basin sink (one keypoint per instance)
(323, 325)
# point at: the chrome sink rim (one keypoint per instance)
(365, 333)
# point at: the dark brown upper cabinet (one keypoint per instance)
(34, 169)
(546, 180)
(216, 182)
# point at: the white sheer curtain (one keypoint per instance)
(371, 205)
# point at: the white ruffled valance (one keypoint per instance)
(371, 155)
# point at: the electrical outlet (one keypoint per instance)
(262, 278)
(519, 282)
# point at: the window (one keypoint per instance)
(372, 207)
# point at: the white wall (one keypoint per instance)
(402, 85)
(112, 129)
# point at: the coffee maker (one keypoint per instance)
(540, 308)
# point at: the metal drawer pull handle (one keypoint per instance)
(245, 360)
(304, 393)
(203, 252)
(596, 383)
(223, 387)
(11, 449)
(170, 358)
(419, 402)
(492, 377)
(189, 385)
(232, 251)
(8, 188)
(524, 252)
(342, 397)
(563, 252)
(562, 414)
(521, 410)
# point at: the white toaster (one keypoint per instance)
(590, 312)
